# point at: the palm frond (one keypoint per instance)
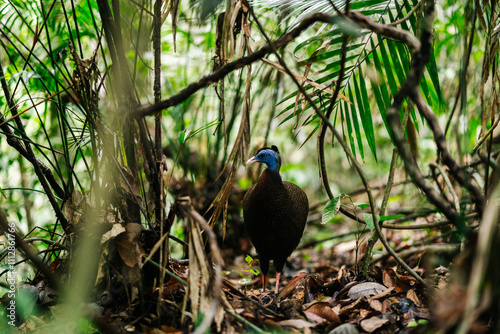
(390, 59)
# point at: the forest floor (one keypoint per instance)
(321, 292)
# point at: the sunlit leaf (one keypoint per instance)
(331, 209)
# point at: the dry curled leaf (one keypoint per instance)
(324, 311)
(115, 231)
(365, 289)
(372, 324)
(129, 252)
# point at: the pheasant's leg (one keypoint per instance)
(278, 275)
(263, 282)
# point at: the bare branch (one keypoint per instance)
(237, 64)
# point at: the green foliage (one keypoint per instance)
(249, 260)
(331, 208)
(67, 135)
(187, 134)
(368, 217)
(387, 61)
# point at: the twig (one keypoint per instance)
(257, 304)
(407, 16)
(483, 138)
(43, 173)
(165, 271)
(230, 67)
(338, 236)
(322, 134)
(448, 184)
(418, 62)
(387, 192)
(29, 252)
(426, 225)
(216, 279)
(454, 168)
(246, 322)
(410, 251)
(481, 260)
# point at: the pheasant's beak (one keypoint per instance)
(252, 160)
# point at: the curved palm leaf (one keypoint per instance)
(366, 53)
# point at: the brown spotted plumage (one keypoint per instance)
(275, 214)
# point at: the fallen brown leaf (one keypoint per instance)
(325, 311)
(372, 324)
(365, 289)
(296, 323)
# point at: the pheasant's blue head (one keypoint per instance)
(269, 156)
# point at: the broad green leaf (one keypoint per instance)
(331, 209)
(413, 20)
(368, 217)
(425, 89)
(380, 90)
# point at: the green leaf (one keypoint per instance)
(191, 134)
(362, 205)
(354, 117)
(368, 217)
(331, 209)
(329, 54)
(248, 260)
(380, 89)
(367, 118)
(388, 69)
(433, 73)
(347, 118)
(395, 51)
(183, 136)
(245, 280)
(391, 217)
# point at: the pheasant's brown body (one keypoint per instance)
(275, 215)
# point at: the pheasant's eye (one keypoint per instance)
(262, 155)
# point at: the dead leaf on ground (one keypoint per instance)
(372, 324)
(365, 289)
(296, 323)
(324, 311)
(290, 287)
